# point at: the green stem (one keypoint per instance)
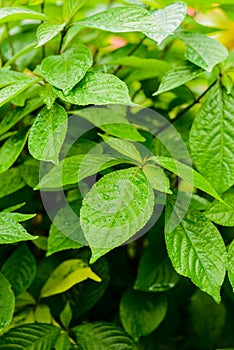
(43, 46)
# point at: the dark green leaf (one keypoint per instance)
(7, 302)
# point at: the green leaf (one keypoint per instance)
(203, 51)
(20, 269)
(30, 336)
(207, 319)
(110, 121)
(157, 178)
(63, 342)
(66, 315)
(17, 14)
(11, 149)
(65, 231)
(230, 266)
(9, 92)
(12, 117)
(197, 251)
(66, 275)
(76, 168)
(42, 314)
(220, 213)
(178, 76)
(168, 20)
(11, 231)
(47, 31)
(12, 181)
(66, 70)
(48, 133)
(212, 139)
(155, 273)
(116, 207)
(157, 25)
(9, 77)
(70, 7)
(186, 173)
(99, 89)
(48, 95)
(7, 302)
(141, 313)
(124, 147)
(102, 336)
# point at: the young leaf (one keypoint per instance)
(197, 251)
(70, 7)
(157, 178)
(20, 269)
(178, 75)
(48, 134)
(203, 51)
(7, 302)
(17, 14)
(12, 181)
(66, 70)
(102, 336)
(48, 95)
(230, 266)
(66, 315)
(220, 213)
(168, 20)
(99, 89)
(30, 336)
(11, 149)
(66, 275)
(124, 147)
(186, 173)
(9, 92)
(11, 231)
(212, 139)
(117, 206)
(47, 31)
(141, 313)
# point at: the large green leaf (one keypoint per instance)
(157, 178)
(178, 75)
(102, 336)
(110, 121)
(230, 266)
(221, 213)
(11, 91)
(20, 269)
(212, 139)
(38, 336)
(197, 251)
(203, 51)
(66, 275)
(76, 168)
(66, 70)
(11, 231)
(11, 149)
(116, 207)
(168, 20)
(18, 13)
(48, 133)
(99, 89)
(186, 173)
(12, 181)
(7, 302)
(47, 31)
(141, 313)
(157, 25)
